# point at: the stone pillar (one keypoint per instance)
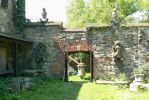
(137, 82)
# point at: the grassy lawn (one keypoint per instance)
(77, 90)
(75, 78)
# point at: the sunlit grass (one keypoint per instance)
(91, 91)
(87, 77)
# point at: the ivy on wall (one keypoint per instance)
(20, 19)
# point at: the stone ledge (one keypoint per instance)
(136, 25)
(13, 37)
(74, 30)
(111, 82)
(33, 72)
(35, 24)
(128, 25)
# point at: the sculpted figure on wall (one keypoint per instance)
(118, 55)
(115, 17)
(44, 16)
(142, 38)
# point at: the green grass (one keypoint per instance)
(77, 90)
(86, 78)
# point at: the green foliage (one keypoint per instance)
(122, 77)
(127, 7)
(141, 88)
(80, 56)
(145, 4)
(5, 91)
(80, 13)
(144, 69)
(20, 19)
(86, 78)
(58, 90)
(3, 86)
(75, 13)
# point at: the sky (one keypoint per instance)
(56, 9)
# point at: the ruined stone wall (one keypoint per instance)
(6, 17)
(100, 39)
(39, 33)
(103, 38)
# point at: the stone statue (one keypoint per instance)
(115, 17)
(44, 16)
(118, 55)
(142, 38)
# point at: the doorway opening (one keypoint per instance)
(79, 66)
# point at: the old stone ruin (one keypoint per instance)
(41, 48)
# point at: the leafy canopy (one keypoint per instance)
(83, 12)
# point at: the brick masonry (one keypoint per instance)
(102, 39)
(99, 40)
(46, 34)
(96, 39)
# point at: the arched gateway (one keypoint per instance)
(71, 41)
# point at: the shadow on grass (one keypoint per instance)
(48, 89)
(52, 90)
(55, 90)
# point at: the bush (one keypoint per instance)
(144, 69)
(122, 77)
(3, 86)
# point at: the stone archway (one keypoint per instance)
(73, 41)
(78, 47)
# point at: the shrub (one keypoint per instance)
(122, 77)
(141, 88)
(3, 86)
(144, 69)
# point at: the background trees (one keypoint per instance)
(75, 13)
(83, 12)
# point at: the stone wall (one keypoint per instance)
(103, 38)
(97, 39)
(6, 17)
(41, 33)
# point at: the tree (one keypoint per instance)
(97, 12)
(80, 13)
(128, 7)
(75, 13)
(145, 5)
(79, 57)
